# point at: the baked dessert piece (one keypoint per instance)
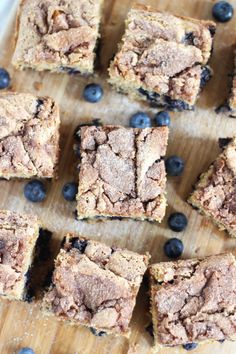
(57, 35)
(29, 136)
(232, 96)
(122, 172)
(18, 236)
(215, 193)
(95, 285)
(229, 106)
(162, 58)
(194, 300)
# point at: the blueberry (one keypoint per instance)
(190, 346)
(177, 105)
(173, 248)
(26, 350)
(4, 79)
(223, 142)
(79, 244)
(30, 295)
(205, 76)
(96, 122)
(177, 222)
(162, 119)
(153, 97)
(174, 165)
(189, 38)
(140, 120)
(69, 191)
(149, 329)
(97, 333)
(222, 11)
(93, 93)
(35, 191)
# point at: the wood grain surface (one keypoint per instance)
(193, 136)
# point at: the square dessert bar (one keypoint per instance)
(232, 96)
(57, 35)
(18, 236)
(215, 193)
(122, 172)
(162, 58)
(95, 285)
(29, 136)
(194, 300)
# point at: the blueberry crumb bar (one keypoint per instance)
(193, 300)
(18, 236)
(29, 136)
(214, 194)
(122, 173)
(163, 58)
(95, 285)
(59, 36)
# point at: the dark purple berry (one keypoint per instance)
(93, 93)
(140, 120)
(177, 222)
(4, 79)
(222, 11)
(69, 191)
(173, 248)
(35, 191)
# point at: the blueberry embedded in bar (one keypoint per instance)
(214, 193)
(152, 38)
(193, 300)
(60, 36)
(122, 173)
(29, 136)
(95, 285)
(18, 236)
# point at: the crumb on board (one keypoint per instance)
(38, 85)
(133, 348)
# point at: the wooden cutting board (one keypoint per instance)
(193, 136)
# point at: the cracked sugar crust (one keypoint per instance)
(18, 235)
(29, 136)
(57, 35)
(215, 193)
(122, 172)
(95, 286)
(194, 300)
(162, 53)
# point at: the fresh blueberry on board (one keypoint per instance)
(190, 346)
(140, 120)
(4, 79)
(174, 165)
(177, 222)
(173, 248)
(69, 191)
(222, 11)
(35, 191)
(93, 93)
(26, 350)
(162, 119)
